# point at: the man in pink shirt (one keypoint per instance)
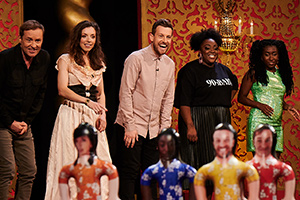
(146, 102)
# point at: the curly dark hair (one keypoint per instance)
(257, 67)
(198, 37)
(96, 55)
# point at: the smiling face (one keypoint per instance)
(88, 39)
(270, 57)
(83, 145)
(223, 143)
(161, 40)
(209, 50)
(31, 42)
(263, 143)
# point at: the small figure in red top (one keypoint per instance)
(268, 167)
(88, 168)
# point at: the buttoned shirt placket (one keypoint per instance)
(155, 87)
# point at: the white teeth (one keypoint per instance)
(223, 151)
(211, 56)
(163, 45)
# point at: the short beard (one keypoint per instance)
(226, 156)
(157, 52)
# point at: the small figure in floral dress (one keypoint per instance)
(169, 171)
(226, 171)
(268, 167)
(88, 169)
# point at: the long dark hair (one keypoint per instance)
(258, 69)
(96, 55)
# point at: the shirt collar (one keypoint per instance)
(174, 161)
(232, 160)
(268, 160)
(152, 54)
(20, 59)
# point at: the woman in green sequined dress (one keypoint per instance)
(270, 78)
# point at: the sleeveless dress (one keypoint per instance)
(272, 95)
(70, 115)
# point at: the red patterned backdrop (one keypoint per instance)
(272, 19)
(11, 17)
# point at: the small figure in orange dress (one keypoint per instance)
(88, 168)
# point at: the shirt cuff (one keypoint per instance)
(130, 127)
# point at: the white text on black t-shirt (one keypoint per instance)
(219, 82)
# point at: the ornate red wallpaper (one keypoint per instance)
(271, 19)
(11, 13)
(11, 17)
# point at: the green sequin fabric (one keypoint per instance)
(272, 95)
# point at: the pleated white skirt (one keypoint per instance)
(62, 149)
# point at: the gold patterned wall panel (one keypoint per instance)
(11, 17)
(271, 19)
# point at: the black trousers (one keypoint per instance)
(131, 162)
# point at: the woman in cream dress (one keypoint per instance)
(80, 82)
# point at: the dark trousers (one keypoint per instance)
(131, 162)
(16, 150)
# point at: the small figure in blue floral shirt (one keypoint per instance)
(169, 171)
